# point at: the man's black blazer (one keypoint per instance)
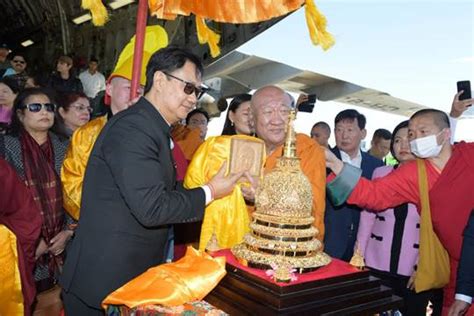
(465, 276)
(129, 200)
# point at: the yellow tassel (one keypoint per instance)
(98, 11)
(206, 35)
(317, 26)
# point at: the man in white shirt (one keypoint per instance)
(92, 80)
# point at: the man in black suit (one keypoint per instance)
(130, 196)
(342, 222)
(465, 275)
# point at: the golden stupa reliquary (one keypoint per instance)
(282, 236)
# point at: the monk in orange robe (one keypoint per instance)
(270, 109)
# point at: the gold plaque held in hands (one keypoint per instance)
(247, 155)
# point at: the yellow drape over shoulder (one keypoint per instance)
(227, 217)
(75, 162)
(313, 165)
(11, 297)
(188, 279)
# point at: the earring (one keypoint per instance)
(231, 123)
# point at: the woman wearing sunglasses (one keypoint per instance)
(37, 155)
(73, 111)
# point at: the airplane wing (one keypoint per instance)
(240, 73)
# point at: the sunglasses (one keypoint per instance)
(190, 87)
(36, 107)
(19, 61)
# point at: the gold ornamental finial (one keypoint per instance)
(289, 149)
(357, 259)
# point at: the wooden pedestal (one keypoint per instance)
(241, 293)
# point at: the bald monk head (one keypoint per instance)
(270, 109)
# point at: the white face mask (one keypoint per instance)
(426, 147)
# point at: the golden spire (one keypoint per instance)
(289, 149)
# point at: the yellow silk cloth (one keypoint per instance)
(75, 162)
(313, 165)
(172, 284)
(188, 139)
(11, 297)
(227, 218)
(98, 11)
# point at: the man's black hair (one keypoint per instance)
(351, 115)
(169, 59)
(382, 133)
(197, 111)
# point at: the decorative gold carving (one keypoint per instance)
(286, 191)
(314, 261)
(288, 220)
(310, 232)
(311, 245)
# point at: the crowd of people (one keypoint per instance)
(100, 200)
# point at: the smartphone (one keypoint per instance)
(308, 106)
(466, 87)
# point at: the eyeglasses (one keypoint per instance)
(36, 107)
(190, 87)
(19, 61)
(82, 108)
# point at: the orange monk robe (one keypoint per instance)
(313, 165)
(188, 139)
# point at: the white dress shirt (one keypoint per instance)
(356, 161)
(92, 83)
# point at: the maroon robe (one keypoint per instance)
(19, 212)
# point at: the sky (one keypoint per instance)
(414, 50)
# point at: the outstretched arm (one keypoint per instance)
(347, 185)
